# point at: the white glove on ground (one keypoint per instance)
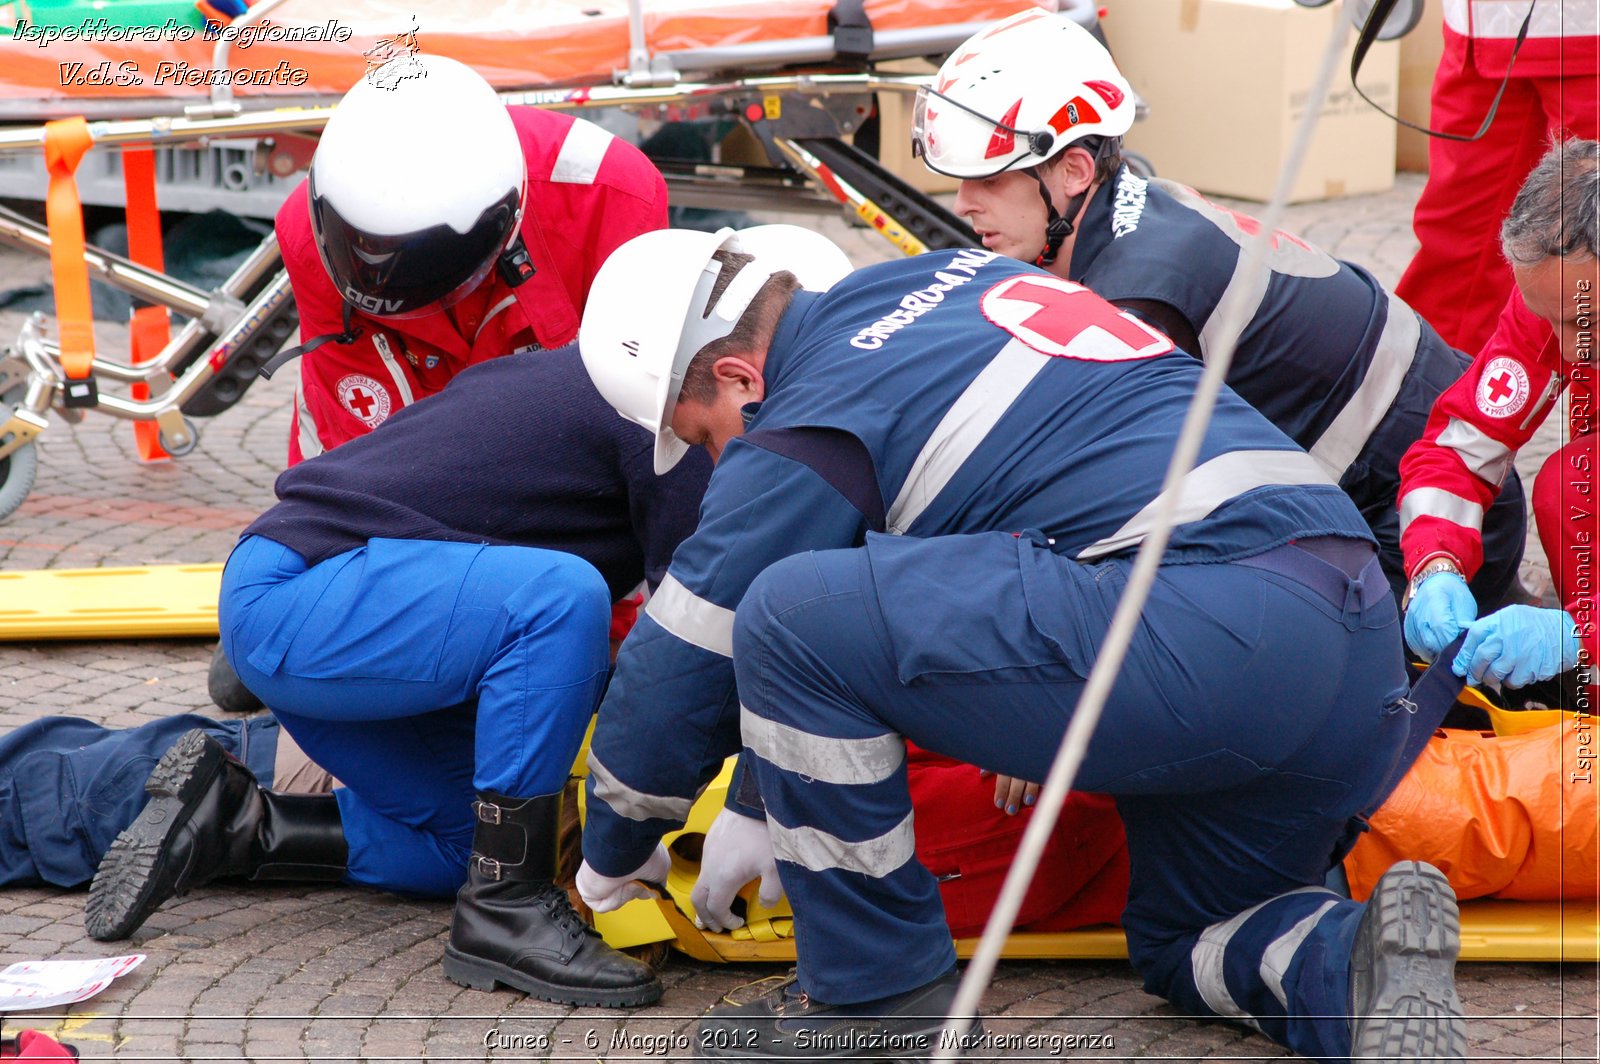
(605, 893)
(737, 850)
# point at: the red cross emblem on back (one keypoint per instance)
(1059, 318)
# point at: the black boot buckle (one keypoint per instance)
(488, 867)
(488, 812)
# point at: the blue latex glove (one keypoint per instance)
(1440, 610)
(1518, 645)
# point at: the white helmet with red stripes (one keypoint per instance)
(1018, 93)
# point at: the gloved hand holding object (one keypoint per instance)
(737, 850)
(1440, 609)
(1518, 645)
(605, 893)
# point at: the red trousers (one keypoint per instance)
(1459, 280)
(968, 845)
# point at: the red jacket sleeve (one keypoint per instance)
(1450, 477)
(583, 222)
(634, 202)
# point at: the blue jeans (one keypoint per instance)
(68, 786)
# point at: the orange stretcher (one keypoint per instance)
(309, 49)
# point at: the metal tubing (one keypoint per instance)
(161, 131)
(113, 269)
(195, 377)
(222, 95)
(691, 91)
(166, 131)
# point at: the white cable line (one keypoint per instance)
(1075, 742)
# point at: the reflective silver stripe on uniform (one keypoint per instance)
(1254, 283)
(1436, 502)
(1503, 18)
(964, 426)
(401, 384)
(1211, 484)
(1210, 950)
(1275, 959)
(635, 805)
(1350, 429)
(691, 618)
(852, 761)
(310, 442)
(582, 152)
(497, 308)
(818, 851)
(1486, 457)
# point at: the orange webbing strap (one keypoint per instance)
(151, 326)
(65, 141)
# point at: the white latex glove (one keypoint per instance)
(737, 850)
(604, 893)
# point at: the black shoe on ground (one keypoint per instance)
(788, 1024)
(1403, 1000)
(226, 689)
(514, 927)
(208, 818)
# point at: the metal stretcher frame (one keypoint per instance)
(799, 118)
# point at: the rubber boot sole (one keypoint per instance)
(1403, 991)
(123, 893)
(480, 974)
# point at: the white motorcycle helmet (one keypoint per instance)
(650, 311)
(1016, 94)
(417, 188)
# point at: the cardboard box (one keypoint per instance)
(1419, 58)
(1227, 81)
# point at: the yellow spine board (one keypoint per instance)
(143, 602)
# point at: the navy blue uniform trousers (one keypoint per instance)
(68, 786)
(1257, 716)
(419, 673)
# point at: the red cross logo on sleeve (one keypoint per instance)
(1503, 388)
(362, 402)
(364, 397)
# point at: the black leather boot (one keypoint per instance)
(208, 818)
(226, 689)
(514, 926)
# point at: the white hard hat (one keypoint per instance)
(417, 186)
(1018, 93)
(649, 311)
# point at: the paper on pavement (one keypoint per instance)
(29, 985)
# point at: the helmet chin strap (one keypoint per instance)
(1057, 228)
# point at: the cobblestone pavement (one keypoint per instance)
(282, 973)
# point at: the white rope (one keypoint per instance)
(1233, 314)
